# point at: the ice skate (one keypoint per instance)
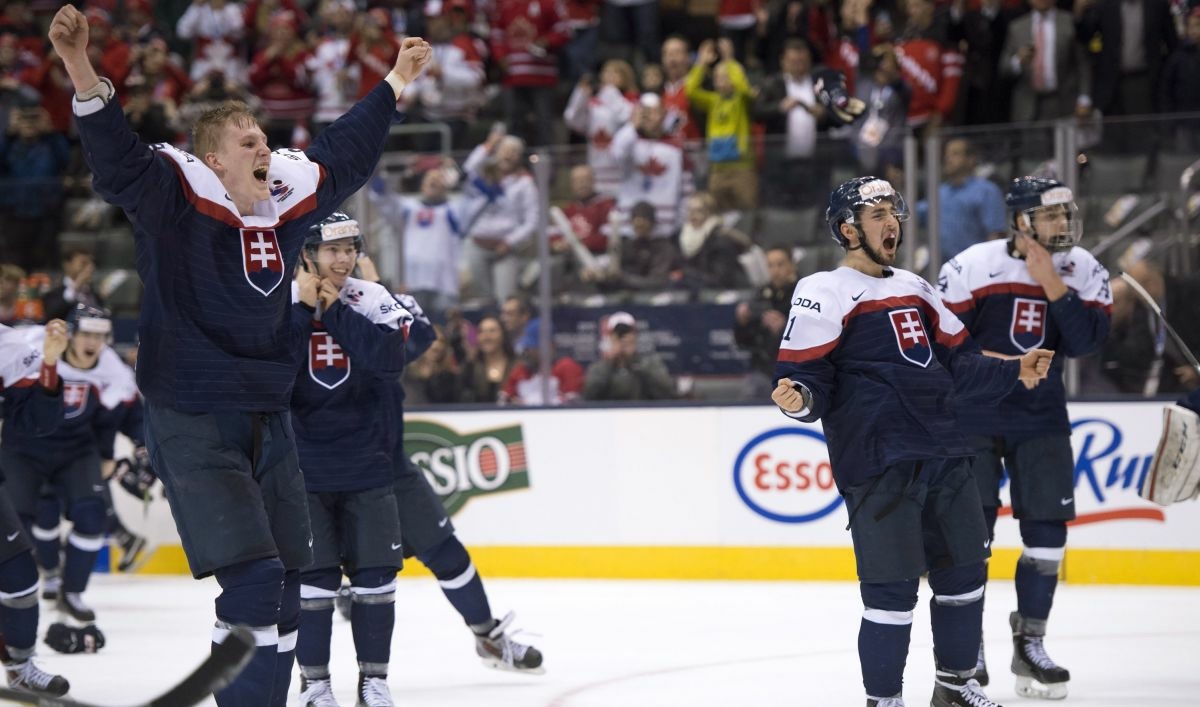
(885, 702)
(1038, 676)
(373, 692)
(26, 675)
(499, 651)
(51, 585)
(981, 673)
(71, 605)
(951, 690)
(317, 693)
(133, 550)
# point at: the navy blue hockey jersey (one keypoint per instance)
(884, 361)
(343, 411)
(96, 403)
(215, 324)
(1006, 311)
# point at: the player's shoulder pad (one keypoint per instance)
(375, 302)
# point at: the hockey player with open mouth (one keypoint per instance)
(871, 351)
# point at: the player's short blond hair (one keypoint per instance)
(206, 133)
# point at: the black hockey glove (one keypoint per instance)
(72, 639)
(830, 87)
(135, 474)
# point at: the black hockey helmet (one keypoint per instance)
(1028, 195)
(847, 201)
(334, 227)
(90, 320)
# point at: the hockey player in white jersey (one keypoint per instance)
(1036, 289)
(870, 350)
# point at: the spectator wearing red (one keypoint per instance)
(108, 53)
(328, 60)
(846, 50)
(14, 66)
(737, 21)
(139, 25)
(279, 77)
(598, 112)
(587, 212)
(49, 79)
(17, 19)
(373, 50)
(166, 81)
(526, 386)
(931, 67)
(526, 38)
(257, 15)
(676, 63)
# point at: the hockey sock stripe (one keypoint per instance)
(325, 604)
(890, 618)
(389, 588)
(1053, 554)
(373, 670)
(263, 635)
(87, 543)
(46, 534)
(389, 598)
(959, 599)
(461, 580)
(308, 591)
(287, 641)
(23, 599)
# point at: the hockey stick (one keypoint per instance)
(1145, 297)
(217, 671)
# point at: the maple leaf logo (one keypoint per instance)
(652, 167)
(601, 139)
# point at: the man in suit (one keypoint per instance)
(1134, 38)
(787, 105)
(1047, 64)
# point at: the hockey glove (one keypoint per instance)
(135, 474)
(830, 87)
(72, 639)
(1174, 475)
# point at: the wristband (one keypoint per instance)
(48, 378)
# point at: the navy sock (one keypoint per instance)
(461, 584)
(19, 610)
(47, 540)
(83, 544)
(1036, 583)
(373, 617)
(289, 627)
(883, 634)
(317, 592)
(250, 596)
(956, 613)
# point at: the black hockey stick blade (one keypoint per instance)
(218, 670)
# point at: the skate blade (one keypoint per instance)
(497, 664)
(1028, 687)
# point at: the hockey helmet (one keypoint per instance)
(90, 320)
(334, 227)
(1028, 195)
(847, 201)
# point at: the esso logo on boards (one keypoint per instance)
(784, 475)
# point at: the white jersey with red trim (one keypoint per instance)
(883, 360)
(599, 117)
(990, 289)
(19, 358)
(653, 170)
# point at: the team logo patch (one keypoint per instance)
(911, 337)
(75, 399)
(262, 261)
(1028, 329)
(328, 364)
(424, 217)
(280, 190)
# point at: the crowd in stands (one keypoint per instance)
(688, 114)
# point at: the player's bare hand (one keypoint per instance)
(55, 342)
(69, 33)
(787, 397)
(328, 293)
(1038, 262)
(414, 55)
(308, 284)
(1035, 365)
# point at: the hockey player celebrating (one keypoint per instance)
(1037, 289)
(343, 418)
(217, 233)
(98, 391)
(871, 350)
(33, 405)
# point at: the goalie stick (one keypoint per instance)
(1145, 297)
(217, 671)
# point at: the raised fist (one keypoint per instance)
(69, 33)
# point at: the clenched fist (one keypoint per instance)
(415, 53)
(788, 397)
(69, 32)
(55, 342)
(1034, 366)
